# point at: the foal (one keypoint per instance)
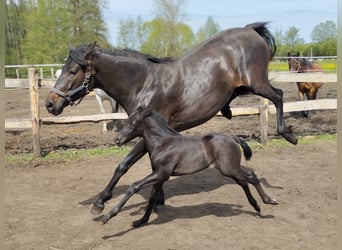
(172, 154)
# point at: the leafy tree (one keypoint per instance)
(15, 30)
(158, 43)
(323, 32)
(291, 39)
(131, 33)
(169, 17)
(87, 24)
(38, 31)
(209, 29)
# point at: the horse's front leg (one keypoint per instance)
(137, 152)
(276, 96)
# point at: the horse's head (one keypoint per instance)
(74, 81)
(295, 63)
(134, 126)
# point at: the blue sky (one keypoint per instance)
(303, 14)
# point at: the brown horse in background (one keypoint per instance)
(308, 89)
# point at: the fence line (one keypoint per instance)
(263, 109)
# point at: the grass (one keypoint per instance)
(105, 151)
(301, 140)
(69, 154)
(327, 65)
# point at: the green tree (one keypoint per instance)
(292, 39)
(169, 18)
(158, 43)
(87, 24)
(209, 29)
(323, 32)
(39, 31)
(15, 30)
(131, 33)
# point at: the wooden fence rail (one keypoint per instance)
(263, 109)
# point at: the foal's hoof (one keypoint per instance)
(103, 218)
(97, 208)
(139, 223)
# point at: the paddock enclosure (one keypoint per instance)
(44, 200)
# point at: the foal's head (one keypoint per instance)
(134, 126)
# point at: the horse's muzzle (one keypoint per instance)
(55, 104)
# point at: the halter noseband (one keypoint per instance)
(80, 92)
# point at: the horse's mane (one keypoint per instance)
(129, 53)
(77, 54)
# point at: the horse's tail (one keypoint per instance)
(246, 149)
(262, 30)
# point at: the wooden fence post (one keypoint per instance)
(33, 80)
(263, 120)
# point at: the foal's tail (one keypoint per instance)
(246, 149)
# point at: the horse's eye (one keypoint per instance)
(72, 72)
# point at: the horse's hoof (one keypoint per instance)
(291, 138)
(97, 208)
(273, 202)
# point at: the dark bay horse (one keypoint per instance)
(187, 91)
(308, 89)
(172, 154)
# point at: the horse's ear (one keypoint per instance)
(298, 53)
(288, 54)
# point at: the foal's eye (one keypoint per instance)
(72, 72)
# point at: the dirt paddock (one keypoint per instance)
(48, 202)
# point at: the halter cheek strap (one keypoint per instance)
(76, 94)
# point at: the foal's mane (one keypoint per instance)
(155, 116)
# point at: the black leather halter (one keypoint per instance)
(80, 92)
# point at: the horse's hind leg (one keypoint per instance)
(276, 96)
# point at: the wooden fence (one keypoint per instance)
(263, 109)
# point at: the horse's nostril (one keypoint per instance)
(49, 105)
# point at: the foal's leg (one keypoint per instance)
(151, 205)
(154, 178)
(245, 187)
(137, 152)
(276, 96)
(253, 179)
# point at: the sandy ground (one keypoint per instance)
(45, 201)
